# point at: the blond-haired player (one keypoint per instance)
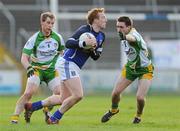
(39, 57)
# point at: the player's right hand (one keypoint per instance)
(91, 42)
(30, 71)
(122, 36)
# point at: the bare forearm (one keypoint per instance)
(25, 61)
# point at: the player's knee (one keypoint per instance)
(78, 97)
(56, 93)
(115, 93)
(140, 98)
(27, 95)
(60, 100)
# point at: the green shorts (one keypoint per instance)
(46, 75)
(141, 73)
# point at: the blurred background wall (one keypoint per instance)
(157, 20)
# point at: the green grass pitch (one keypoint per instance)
(162, 113)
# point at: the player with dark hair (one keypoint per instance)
(70, 64)
(138, 66)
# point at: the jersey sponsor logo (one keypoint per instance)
(55, 45)
(48, 42)
(47, 48)
(42, 46)
(48, 53)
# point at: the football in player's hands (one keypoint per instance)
(89, 39)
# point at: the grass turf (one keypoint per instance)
(162, 113)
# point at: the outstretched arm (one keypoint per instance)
(130, 38)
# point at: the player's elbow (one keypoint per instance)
(71, 44)
(68, 44)
(95, 58)
(24, 58)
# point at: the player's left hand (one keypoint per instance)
(122, 36)
(30, 71)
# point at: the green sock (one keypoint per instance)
(114, 106)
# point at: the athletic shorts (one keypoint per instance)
(67, 69)
(141, 73)
(50, 76)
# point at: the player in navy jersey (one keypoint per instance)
(76, 53)
(71, 63)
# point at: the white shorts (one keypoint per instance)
(67, 69)
(51, 84)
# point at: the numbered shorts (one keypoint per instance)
(50, 76)
(141, 73)
(67, 69)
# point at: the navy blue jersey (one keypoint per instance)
(79, 55)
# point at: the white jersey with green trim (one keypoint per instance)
(136, 52)
(42, 49)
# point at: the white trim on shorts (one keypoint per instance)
(67, 69)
